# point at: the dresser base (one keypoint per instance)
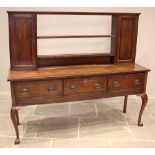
(76, 83)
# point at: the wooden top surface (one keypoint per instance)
(74, 71)
(72, 13)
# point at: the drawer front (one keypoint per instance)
(126, 82)
(38, 88)
(84, 85)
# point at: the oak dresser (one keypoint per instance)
(50, 79)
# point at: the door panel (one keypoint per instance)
(22, 41)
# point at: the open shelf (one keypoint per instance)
(85, 35)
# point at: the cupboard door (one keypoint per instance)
(126, 38)
(23, 53)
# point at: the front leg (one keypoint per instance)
(144, 102)
(17, 117)
(15, 122)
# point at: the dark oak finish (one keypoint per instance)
(64, 78)
(144, 102)
(41, 88)
(126, 82)
(75, 71)
(22, 30)
(15, 123)
(84, 85)
(71, 13)
(23, 33)
(126, 38)
(125, 104)
(66, 60)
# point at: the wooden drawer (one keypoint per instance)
(84, 85)
(126, 82)
(38, 88)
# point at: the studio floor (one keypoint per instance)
(93, 123)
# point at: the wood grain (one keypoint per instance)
(38, 88)
(54, 79)
(74, 71)
(72, 13)
(23, 47)
(72, 59)
(85, 85)
(126, 81)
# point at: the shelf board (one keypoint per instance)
(72, 13)
(76, 36)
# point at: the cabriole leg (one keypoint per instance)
(17, 117)
(13, 112)
(144, 102)
(125, 104)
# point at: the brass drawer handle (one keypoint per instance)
(25, 91)
(51, 88)
(97, 85)
(136, 81)
(73, 87)
(117, 83)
